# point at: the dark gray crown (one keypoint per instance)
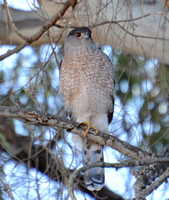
(80, 30)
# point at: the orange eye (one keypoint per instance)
(78, 34)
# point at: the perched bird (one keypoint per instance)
(87, 86)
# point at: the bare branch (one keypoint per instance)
(130, 163)
(156, 184)
(141, 157)
(12, 23)
(133, 27)
(140, 195)
(39, 157)
(38, 118)
(35, 37)
(147, 175)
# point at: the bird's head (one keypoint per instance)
(81, 33)
(78, 38)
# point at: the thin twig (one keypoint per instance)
(35, 37)
(12, 23)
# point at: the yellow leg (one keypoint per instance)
(88, 124)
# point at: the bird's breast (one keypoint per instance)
(84, 82)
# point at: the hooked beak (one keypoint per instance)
(85, 36)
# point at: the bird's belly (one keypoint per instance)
(87, 100)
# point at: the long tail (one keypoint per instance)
(93, 177)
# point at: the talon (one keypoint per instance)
(88, 124)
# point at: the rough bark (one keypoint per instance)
(38, 118)
(40, 157)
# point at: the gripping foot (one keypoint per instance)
(88, 124)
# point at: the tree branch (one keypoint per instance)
(155, 184)
(39, 118)
(130, 163)
(152, 175)
(141, 157)
(35, 37)
(22, 150)
(133, 27)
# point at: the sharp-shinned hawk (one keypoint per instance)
(87, 86)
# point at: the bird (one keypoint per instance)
(87, 83)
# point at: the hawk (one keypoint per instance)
(87, 87)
